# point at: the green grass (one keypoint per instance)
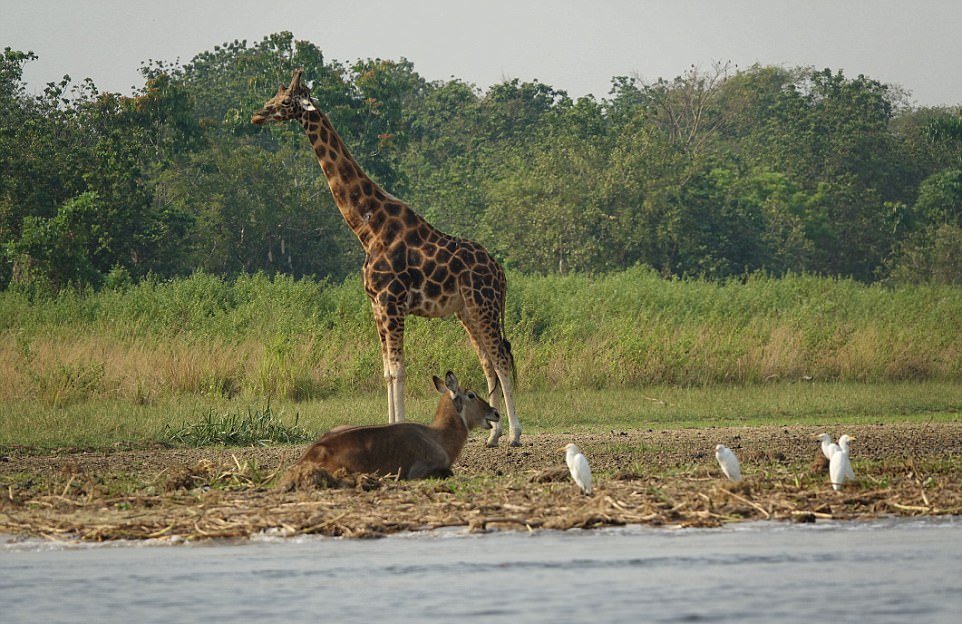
(621, 350)
(303, 340)
(255, 428)
(105, 424)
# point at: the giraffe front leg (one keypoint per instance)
(395, 366)
(385, 361)
(397, 377)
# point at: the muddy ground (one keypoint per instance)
(641, 476)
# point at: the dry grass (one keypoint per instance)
(257, 336)
(655, 478)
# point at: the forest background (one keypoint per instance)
(718, 173)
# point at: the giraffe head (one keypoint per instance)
(290, 102)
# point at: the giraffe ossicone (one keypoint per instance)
(410, 267)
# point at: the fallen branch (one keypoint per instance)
(747, 502)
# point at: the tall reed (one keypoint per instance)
(303, 339)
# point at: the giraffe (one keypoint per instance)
(410, 267)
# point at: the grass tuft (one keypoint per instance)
(256, 428)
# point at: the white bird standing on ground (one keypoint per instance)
(839, 467)
(728, 462)
(828, 447)
(578, 465)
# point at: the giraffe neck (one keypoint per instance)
(357, 196)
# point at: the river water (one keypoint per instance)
(884, 571)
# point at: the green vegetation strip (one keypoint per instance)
(206, 421)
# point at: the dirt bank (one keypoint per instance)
(653, 477)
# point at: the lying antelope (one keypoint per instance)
(409, 450)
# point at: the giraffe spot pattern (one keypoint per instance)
(410, 266)
(413, 238)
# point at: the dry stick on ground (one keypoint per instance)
(747, 502)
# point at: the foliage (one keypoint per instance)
(716, 173)
(256, 428)
(300, 340)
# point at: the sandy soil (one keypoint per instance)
(653, 477)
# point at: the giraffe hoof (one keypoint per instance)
(515, 442)
(491, 444)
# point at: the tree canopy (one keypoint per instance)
(715, 173)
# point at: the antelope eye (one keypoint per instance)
(472, 396)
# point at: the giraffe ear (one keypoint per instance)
(306, 104)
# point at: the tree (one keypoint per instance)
(52, 253)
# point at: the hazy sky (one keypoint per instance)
(576, 46)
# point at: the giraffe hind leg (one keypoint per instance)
(507, 389)
(491, 375)
(498, 371)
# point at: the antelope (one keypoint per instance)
(408, 450)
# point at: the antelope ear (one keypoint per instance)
(306, 104)
(451, 382)
(439, 385)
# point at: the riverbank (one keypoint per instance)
(655, 477)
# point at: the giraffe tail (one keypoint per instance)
(507, 348)
(507, 345)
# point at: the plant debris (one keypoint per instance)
(642, 477)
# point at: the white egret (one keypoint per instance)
(728, 462)
(839, 467)
(828, 447)
(578, 465)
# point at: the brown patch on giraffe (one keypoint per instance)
(412, 238)
(415, 278)
(392, 228)
(377, 219)
(440, 273)
(398, 259)
(396, 287)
